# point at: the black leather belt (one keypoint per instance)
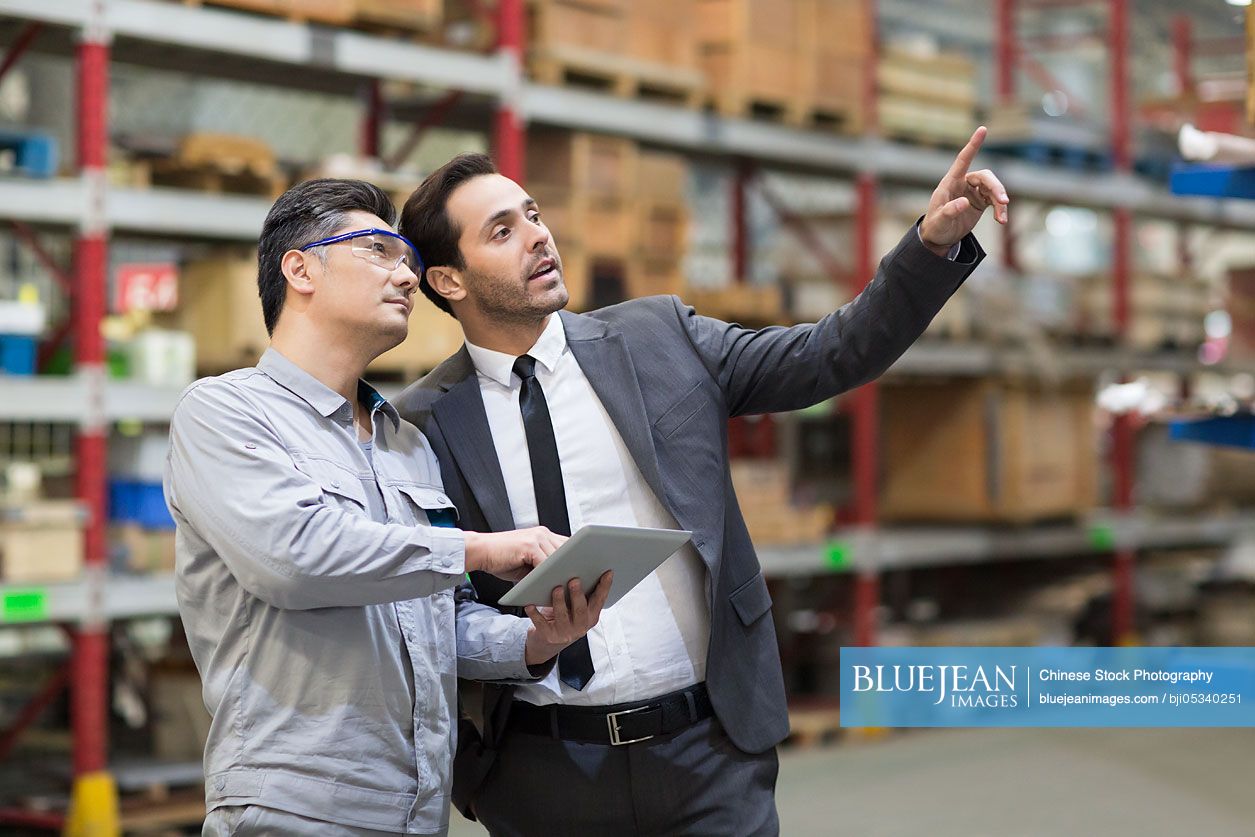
(623, 723)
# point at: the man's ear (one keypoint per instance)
(295, 266)
(447, 281)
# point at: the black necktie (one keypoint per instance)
(575, 663)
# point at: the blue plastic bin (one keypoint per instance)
(141, 503)
(18, 353)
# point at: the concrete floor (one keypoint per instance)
(971, 783)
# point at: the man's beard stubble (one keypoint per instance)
(498, 302)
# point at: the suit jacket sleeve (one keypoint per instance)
(779, 368)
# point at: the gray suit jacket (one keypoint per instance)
(670, 379)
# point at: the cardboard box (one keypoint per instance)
(764, 492)
(588, 25)
(41, 542)
(221, 310)
(986, 451)
(145, 550)
(180, 722)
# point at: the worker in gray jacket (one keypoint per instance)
(317, 558)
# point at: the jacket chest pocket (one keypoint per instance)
(424, 505)
(340, 487)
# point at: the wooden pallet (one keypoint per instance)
(220, 163)
(380, 16)
(814, 726)
(328, 12)
(619, 75)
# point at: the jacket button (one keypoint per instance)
(335, 483)
(220, 783)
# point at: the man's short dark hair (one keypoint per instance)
(308, 212)
(425, 219)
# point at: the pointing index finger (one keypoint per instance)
(963, 162)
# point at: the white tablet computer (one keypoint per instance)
(631, 552)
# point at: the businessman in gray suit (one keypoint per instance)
(665, 720)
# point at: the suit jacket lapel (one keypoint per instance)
(464, 423)
(604, 358)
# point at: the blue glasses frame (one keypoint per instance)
(336, 239)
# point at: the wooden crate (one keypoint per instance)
(1250, 65)
(41, 542)
(577, 219)
(839, 27)
(751, 305)
(584, 185)
(1165, 311)
(751, 54)
(603, 166)
(986, 451)
(661, 32)
(648, 276)
(835, 86)
(763, 490)
(836, 41)
(944, 78)
(220, 308)
(593, 281)
(433, 337)
(145, 550)
(330, 12)
(661, 213)
(416, 15)
(929, 98)
(1240, 303)
(180, 722)
(220, 163)
(617, 47)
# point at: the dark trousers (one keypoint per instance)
(692, 782)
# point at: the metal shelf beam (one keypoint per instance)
(116, 597)
(894, 548)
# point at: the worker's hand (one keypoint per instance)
(510, 555)
(961, 199)
(571, 616)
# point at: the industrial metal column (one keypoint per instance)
(94, 801)
(1122, 271)
(864, 403)
(509, 133)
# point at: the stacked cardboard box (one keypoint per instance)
(41, 541)
(987, 451)
(927, 96)
(585, 185)
(421, 15)
(763, 490)
(639, 48)
(797, 61)
(751, 54)
(220, 308)
(656, 260)
(1165, 311)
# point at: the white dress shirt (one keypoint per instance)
(655, 639)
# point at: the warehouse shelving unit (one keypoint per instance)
(284, 53)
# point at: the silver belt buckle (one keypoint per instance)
(612, 722)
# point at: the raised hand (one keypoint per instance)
(961, 199)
